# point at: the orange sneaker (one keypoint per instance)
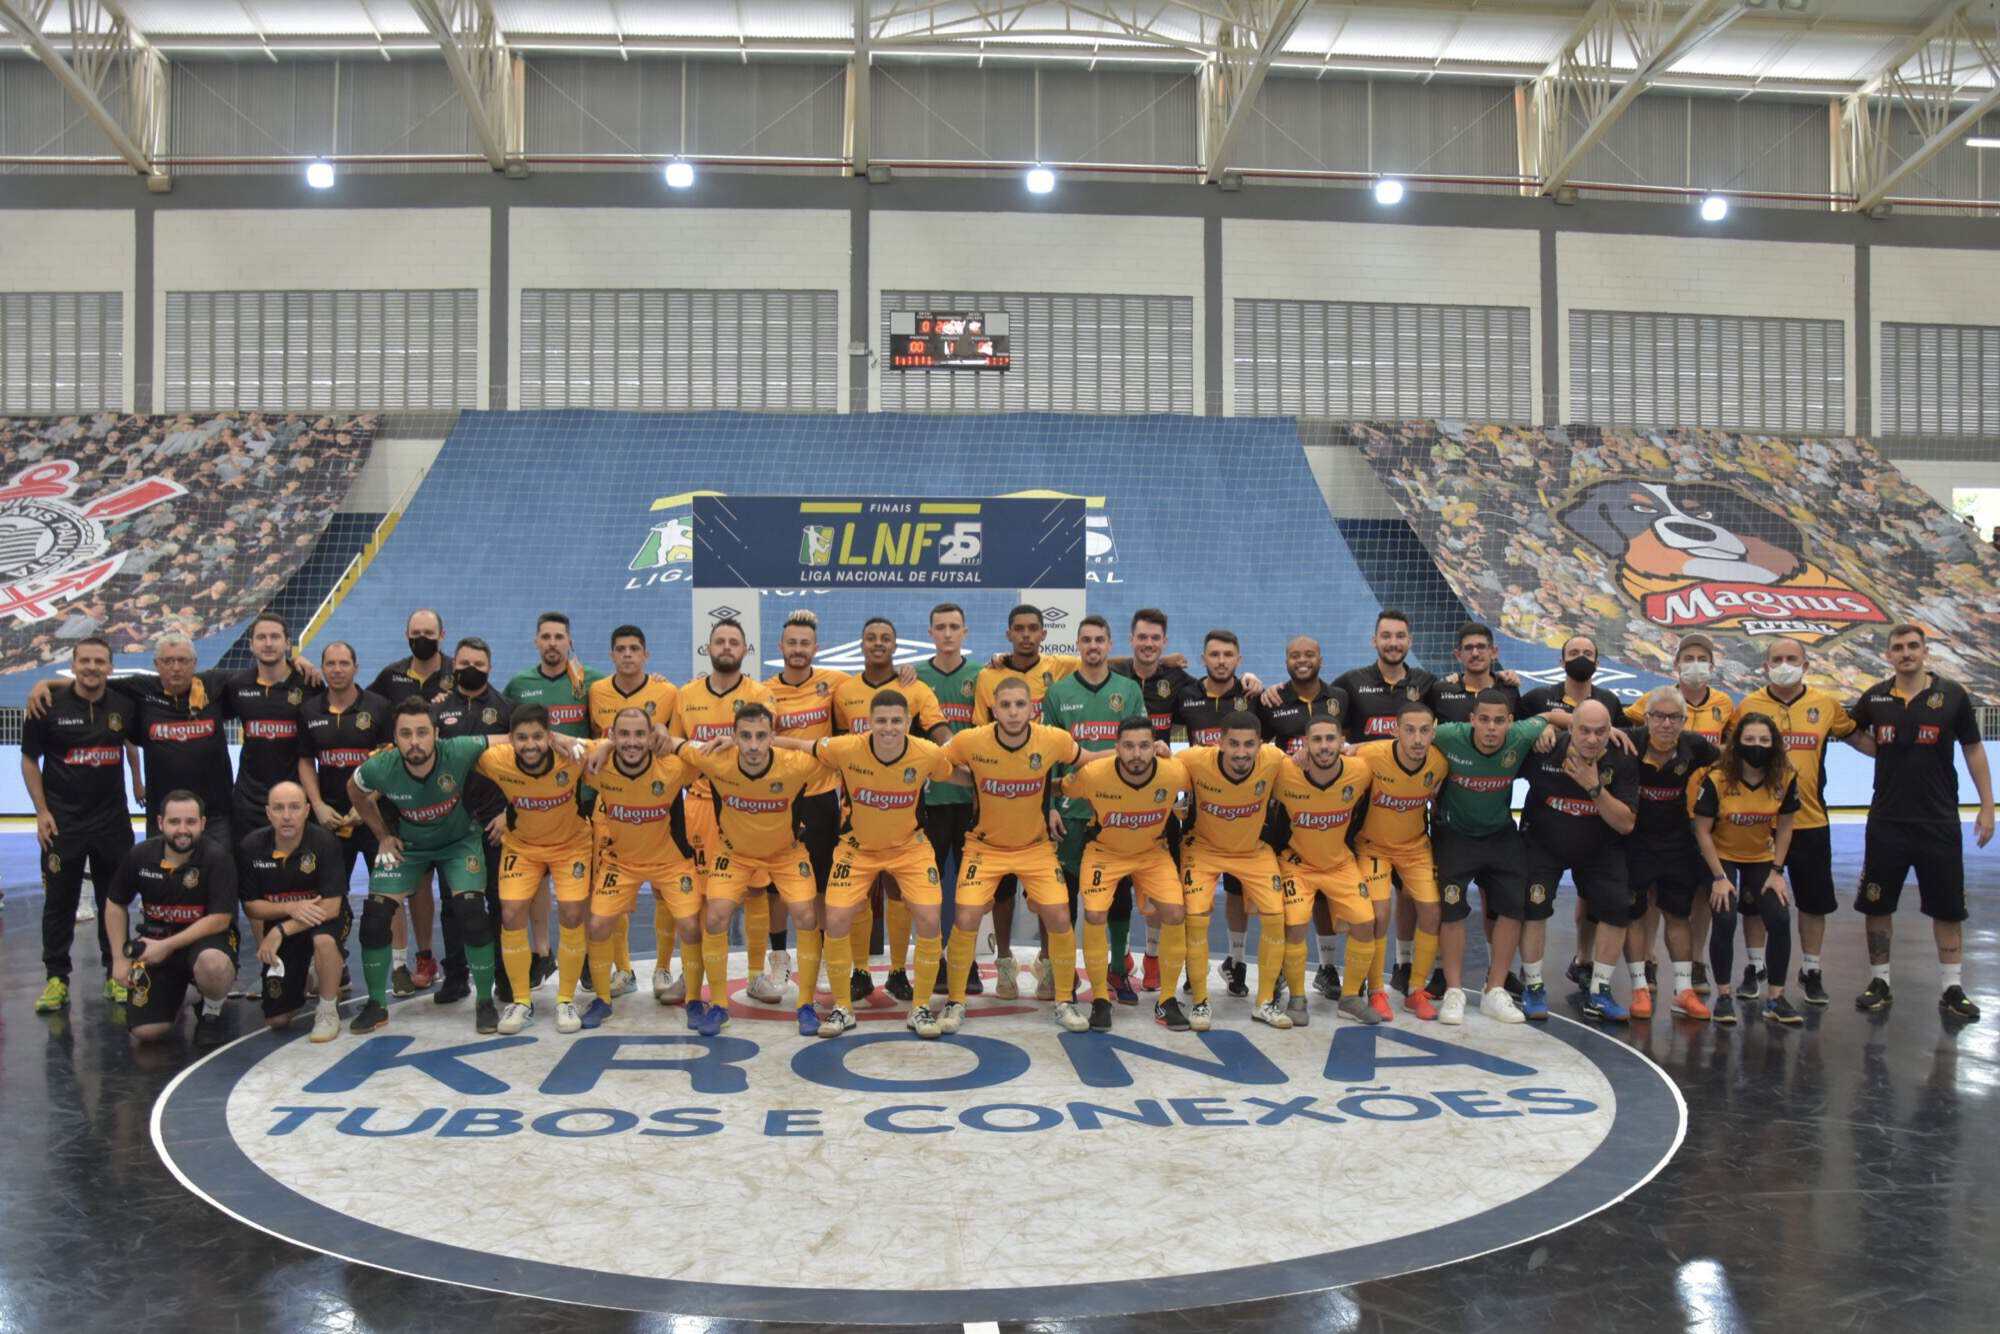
(1642, 1003)
(1379, 1002)
(1690, 1006)
(1419, 1003)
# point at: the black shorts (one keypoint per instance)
(247, 813)
(1673, 877)
(1601, 881)
(282, 995)
(816, 821)
(1895, 848)
(359, 846)
(1497, 863)
(1809, 866)
(167, 982)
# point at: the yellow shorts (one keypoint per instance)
(617, 891)
(522, 869)
(1411, 863)
(700, 813)
(1347, 895)
(1152, 873)
(912, 865)
(1255, 870)
(982, 867)
(732, 875)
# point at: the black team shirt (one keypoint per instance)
(1203, 714)
(338, 740)
(1160, 693)
(1453, 703)
(395, 684)
(184, 746)
(1560, 817)
(175, 897)
(1285, 722)
(80, 745)
(316, 869)
(1372, 703)
(485, 713)
(1916, 779)
(1664, 829)
(270, 716)
(1543, 698)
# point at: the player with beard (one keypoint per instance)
(187, 931)
(293, 887)
(472, 707)
(426, 672)
(1231, 786)
(802, 706)
(1287, 712)
(1161, 677)
(1662, 860)
(631, 686)
(1318, 793)
(268, 700)
(1204, 708)
(343, 727)
(1454, 698)
(638, 799)
(1394, 840)
(557, 681)
(947, 810)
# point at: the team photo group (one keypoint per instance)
(1121, 795)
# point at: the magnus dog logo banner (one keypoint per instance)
(1699, 556)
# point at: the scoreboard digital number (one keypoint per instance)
(954, 340)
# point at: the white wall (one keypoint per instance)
(393, 467)
(264, 250)
(1700, 276)
(73, 250)
(1912, 286)
(1939, 478)
(1034, 252)
(1337, 261)
(788, 249)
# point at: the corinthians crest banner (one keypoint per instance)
(128, 527)
(1638, 538)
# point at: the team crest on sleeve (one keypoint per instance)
(489, 716)
(308, 864)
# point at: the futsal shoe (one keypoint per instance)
(207, 1029)
(517, 1017)
(1535, 1003)
(713, 1017)
(1006, 977)
(596, 1012)
(1778, 1009)
(1497, 1005)
(838, 1020)
(1752, 986)
(923, 1022)
(769, 985)
(1690, 1006)
(1170, 1016)
(567, 1019)
(1955, 1004)
(55, 996)
(1200, 1016)
(1436, 986)
(402, 983)
(541, 967)
(1578, 974)
(952, 1018)
(1379, 1002)
(371, 1017)
(1724, 1009)
(425, 972)
(1299, 1012)
(861, 986)
(1419, 1003)
(1399, 977)
(668, 989)
(457, 986)
(809, 1022)
(1451, 1010)
(487, 1018)
(1149, 973)
(326, 1022)
(1100, 1016)
(1813, 985)
(1642, 1002)
(694, 1013)
(1121, 989)
(1360, 1011)
(975, 983)
(1326, 981)
(623, 983)
(116, 992)
(899, 986)
(1602, 1006)
(1045, 980)
(1071, 1018)
(1877, 998)
(1236, 973)
(1512, 985)
(1269, 1013)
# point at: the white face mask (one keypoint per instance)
(1696, 672)
(1786, 673)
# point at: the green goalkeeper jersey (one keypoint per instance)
(1091, 714)
(430, 811)
(568, 706)
(954, 695)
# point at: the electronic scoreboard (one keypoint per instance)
(952, 340)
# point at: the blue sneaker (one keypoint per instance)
(1602, 1006)
(598, 1012)
(1121, 990)
(1535, 1003)
(695, 1009)
(808, 1021)
(711, 1021)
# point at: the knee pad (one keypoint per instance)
(473, 920)
(377, 916)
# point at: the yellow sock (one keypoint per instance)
(664, 943)
(693, 965)
(859, 934)
(1270, 954)
(898, 943)
(958, 959)
(515, 956)
(1295, 966)
(757, 928)
(1425, 957)
(715, 964)
(1062, 956)
(1196, 930)
(929, 951)
(1376, 965)
(809, 943)
(603, 956)
(621, 946)
(1097, 958)
(839, 953)
(569, 964)
(1170, 947)
(1362, 956)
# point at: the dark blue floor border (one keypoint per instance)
(189, 1132)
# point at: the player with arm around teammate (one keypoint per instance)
(1319, 791)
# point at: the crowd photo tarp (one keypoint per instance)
(1636, 538)
(131, 526)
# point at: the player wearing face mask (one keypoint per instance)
(1807, 718)
(1579, 665)
(1709, 711)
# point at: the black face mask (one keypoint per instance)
(1757, 757)
(423, 648)
(470, 679)
(1580, 669)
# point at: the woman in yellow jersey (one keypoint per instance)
(1743, 822)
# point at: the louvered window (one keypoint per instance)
(1728, 372)
(1940, 379)
(62, 352)
(1379, 359)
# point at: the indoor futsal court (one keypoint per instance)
(999, 665)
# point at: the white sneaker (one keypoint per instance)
(1006, 978)
(326, 1022)
(86, 906)
(1200, 1016)
(1496, 1004)
(769, 985)
(923, 1022)
(669, 989)
(516, 1017)
(567, 1019)
(1271, 1013)
(838, 1020)
(953, 1016)
(1045, 979)
(1071, 1017)
(1451, 1010)
(622, 982)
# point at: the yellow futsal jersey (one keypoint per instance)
(852, 697)
(1126, 817)
(805, 711)
(1399, 805)
(634, 816)
(1227, 815)
(1708, 719)
(545, 813)
(754, 812)
(1322, 817)
(702, 714)
(1808, 725)
(605, 701)
(883, 796)
(1746, 818)
(1048, 669)
(1008, 782)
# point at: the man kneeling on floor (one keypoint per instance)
(187, 927)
